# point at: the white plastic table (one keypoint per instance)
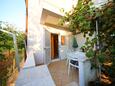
(81, 58)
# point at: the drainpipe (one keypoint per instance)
(26, 31)
(97, 48)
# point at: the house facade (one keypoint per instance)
(46, 40)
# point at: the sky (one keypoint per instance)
(13, 12)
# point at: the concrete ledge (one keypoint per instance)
(35, 76)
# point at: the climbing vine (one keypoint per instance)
(97, 25)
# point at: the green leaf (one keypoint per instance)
(112, 50)
(90, 53)
(101, 57)
(2, 57)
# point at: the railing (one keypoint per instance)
(11, 57)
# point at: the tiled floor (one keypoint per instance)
(58, 70)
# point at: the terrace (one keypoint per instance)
(84, 40)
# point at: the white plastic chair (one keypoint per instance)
(73, 62)
(67, 58)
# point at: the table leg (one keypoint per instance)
(81, 74)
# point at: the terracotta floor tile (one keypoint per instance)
(58, 71)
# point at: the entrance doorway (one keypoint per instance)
(54, 46)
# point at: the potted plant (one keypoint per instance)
(74, 45)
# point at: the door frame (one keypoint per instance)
(44, 47)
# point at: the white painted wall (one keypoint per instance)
(35, 32)
(89, 74)
(56, 6)
(80, 40)
(98, 3)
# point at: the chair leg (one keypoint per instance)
(67, 62)
(69, 68)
